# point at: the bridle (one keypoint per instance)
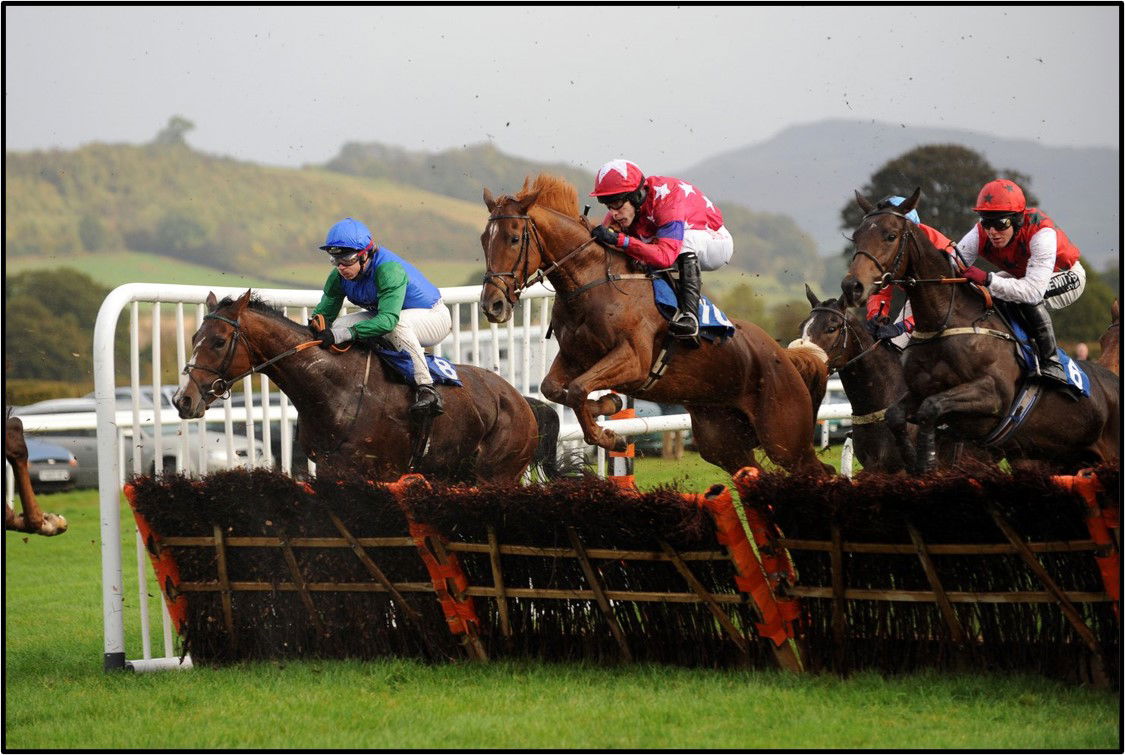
(887, 274)
(530, 230)
(848, 329)
(220, 387)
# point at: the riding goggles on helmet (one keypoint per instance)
(343, 256)
(1001, 223)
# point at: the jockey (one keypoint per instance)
(879, 303)
(1039, 268)
(396, 301)
(663, 221)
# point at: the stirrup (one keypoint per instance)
(427, 402)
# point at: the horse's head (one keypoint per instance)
(830, 327)
(512, 252)
(219, 350)
(882, 248)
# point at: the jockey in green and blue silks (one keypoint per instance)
(397, 301)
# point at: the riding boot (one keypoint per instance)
(685, 325)
(1043, 334)
(426, 401)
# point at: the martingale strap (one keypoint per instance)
(660, 365)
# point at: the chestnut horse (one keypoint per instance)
(33, 520)
(741, 392)
(353, 415)
(961, 364)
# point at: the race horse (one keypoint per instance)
(353, 413)
(33, 520)
(742, 392)
(871, 373)
(961, 366)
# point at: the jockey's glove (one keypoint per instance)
(604, 236)
(325, 337)
(887, 331)
(334, 335)
(977, 276)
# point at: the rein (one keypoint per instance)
(848, 328)
(221, 386)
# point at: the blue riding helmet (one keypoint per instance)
(349, 233)
(896, 201)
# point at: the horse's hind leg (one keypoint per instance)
(781, 412)
(724, 437)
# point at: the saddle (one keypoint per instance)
(1028, 357)
(713, 324)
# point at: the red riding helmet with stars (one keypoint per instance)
(617, 177)
(1000, 195)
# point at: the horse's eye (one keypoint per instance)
(831, 329)
(891, 236)
(218, 342)
(515, 239)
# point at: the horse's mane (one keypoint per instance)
(260, 305)
(555, 193)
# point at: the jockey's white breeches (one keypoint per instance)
(713, 248)
(416, 329)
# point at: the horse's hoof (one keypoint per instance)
(53, 524)
(620, 443)
(619, 404)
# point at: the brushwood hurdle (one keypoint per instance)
(161, 319)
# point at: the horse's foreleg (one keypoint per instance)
(554, 386)
(620, 366)
(975, 397)
(32, 520)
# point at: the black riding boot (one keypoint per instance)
(1043, 334)
(426, 401)
(686, 323)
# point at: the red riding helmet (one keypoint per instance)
(617, 177)
(1000, 195)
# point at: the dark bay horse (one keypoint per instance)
(960, 366)
(741, 393)
(873, 381)
(353, 414)
(33, 519)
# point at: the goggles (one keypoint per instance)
(344, 257)
(614, 201)
(997, 224)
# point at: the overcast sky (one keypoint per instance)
(666, 87)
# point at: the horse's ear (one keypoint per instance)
(526, 202)
(489, 200)
(240, 305)
(212, 302)
(863, 203)
(911, 202)
(811, 296)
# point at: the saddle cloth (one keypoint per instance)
(441, 370)
(713, 324)
(1029, 359)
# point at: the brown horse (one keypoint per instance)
(353, 413)
(1111, 341)
(33, 520)
(741, 393)
(961, 364)
(873, 381)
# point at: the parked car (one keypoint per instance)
(125, 393)
(52, 468)
(217, 456)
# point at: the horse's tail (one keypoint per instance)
(546, 457)
(812, 362)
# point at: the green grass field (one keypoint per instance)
(57, 696)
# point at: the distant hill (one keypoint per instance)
(266, 222)
(460, 173)
(809, 172)
(213, 211)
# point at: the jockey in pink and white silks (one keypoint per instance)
(663, 221)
